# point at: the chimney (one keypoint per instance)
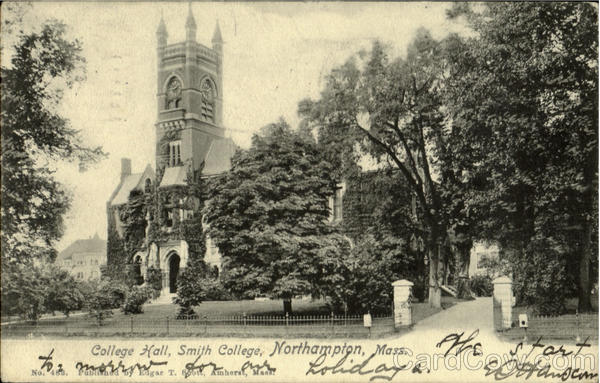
(125, 168)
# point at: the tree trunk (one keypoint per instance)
(435, 293)
(585, 303)
(287, 306)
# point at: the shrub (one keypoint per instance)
(481, 285)
(541, 279)
(154, 281)
(23, 291)
(361, 281)
(64, 291)
(102, 297)
(135, 299)
(195, 285)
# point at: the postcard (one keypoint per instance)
(299, 191)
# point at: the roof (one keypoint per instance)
(174, 176)
(218, 157)
(91, 245)
(128, 184)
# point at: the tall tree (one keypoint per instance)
(392, 108)
(524, 124)
(34, 136)
(268, 217)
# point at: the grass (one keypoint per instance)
(154, 322)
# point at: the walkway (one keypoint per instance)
(472, 314)
(464, 317)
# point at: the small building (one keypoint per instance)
(480, 252)
(83, 258)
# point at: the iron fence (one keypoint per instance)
(204, 325)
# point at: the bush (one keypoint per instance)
(541, 279)
(23, 291)
(154, 281)
(64, 291)
(194, 285)
(135, 299)
(361, 282)
(102, 297)
(481, 285)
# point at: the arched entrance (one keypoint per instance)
(173, 272)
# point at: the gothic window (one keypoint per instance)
(208, 100)
(169, 222)
(175, 153)
(173, 97)
(148, 185)
(335, 205)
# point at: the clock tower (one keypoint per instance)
(190, 98)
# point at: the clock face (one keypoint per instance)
(174, 87)
(173, 93)
(207, 91)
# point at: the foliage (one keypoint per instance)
(194, 285)
(268, 215)
(497, 266)
(23, 291)
(135, 299)
(154, 281)
(481, 285)
(542, 281)
(33, 134)
(102, 296)
(361, 282)
(63, 291)
(31, 290)
(133, 218)
(525, 136)
(392, 109)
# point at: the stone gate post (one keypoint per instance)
(402, 303)
(503, 300)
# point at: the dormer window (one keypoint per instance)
(175, 153)
(208, 100)
(173, 94)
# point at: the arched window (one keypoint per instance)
(208, 100)
(173, 96)
(148, 185)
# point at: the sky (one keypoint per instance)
(275, 55)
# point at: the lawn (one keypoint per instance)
(159, 320)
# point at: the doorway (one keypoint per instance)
(173, 272)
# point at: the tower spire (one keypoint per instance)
(217, 38)
(161, 32)
(190, 24)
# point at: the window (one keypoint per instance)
(148, 185)
(335, 204)
(208, 96)
(169, 218)
(175, 153)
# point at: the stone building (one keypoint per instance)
(83, 258)
(190, 145)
